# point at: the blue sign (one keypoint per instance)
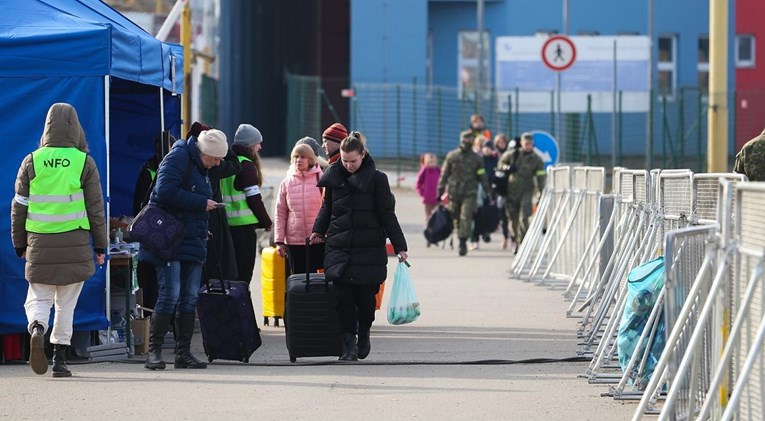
(546, 147)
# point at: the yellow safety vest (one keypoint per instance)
(238, 212)
(56, 198)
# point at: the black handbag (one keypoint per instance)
(158, 230)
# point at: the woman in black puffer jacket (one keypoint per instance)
(356, 216)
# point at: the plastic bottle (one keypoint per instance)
(118, 324)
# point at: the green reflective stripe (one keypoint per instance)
(481, 171)
(541, 172)
(238, 213)
(56, 198)
(56, 218)
(152, 173)
(234, 198)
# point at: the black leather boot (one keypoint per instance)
(37, 358)
(159, 325)
(59, 361)
(184, 329)
(463, 246)
(351, 351)
(364, 345)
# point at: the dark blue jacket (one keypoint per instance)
(182, 187)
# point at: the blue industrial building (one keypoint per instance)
(408, 64)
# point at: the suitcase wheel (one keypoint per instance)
(246, 360)
(276, 322)
(293, 359)
(265, 320)
(210, 358)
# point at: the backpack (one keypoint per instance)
(440, 225)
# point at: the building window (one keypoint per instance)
(703, 64)
(745, 51)
(666, 65)
(468, 65)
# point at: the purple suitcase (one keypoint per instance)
(227, 319)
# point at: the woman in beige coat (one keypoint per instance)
(58, 207)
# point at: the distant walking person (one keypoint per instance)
(526, 166)
(750, 161)
(357, 214)
(461, 173)
(58, 209)
(427, 183)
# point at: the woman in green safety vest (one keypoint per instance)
(244, 203)
(147, 276)
(58, 226)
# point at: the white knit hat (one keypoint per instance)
(213, 143)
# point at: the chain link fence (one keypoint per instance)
(403, 121)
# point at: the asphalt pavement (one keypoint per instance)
(485, 347)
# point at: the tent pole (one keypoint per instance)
(108, 213)
(161, 110)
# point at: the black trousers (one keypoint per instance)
(355, 306)
(147, 280)
(296, 258)
(246, 250)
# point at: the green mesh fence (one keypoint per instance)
(303, 107)
(403, 121)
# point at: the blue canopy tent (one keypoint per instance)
(122, 82)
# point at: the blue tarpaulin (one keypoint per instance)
(84, 53)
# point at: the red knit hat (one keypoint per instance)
(196, 129)
(336, 133)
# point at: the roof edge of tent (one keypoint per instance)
(131, 53)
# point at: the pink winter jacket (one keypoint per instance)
(297, 205)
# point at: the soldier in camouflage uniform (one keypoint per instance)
(460, 174)
(750, 161)
(525, 165)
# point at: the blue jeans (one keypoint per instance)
(178, 286)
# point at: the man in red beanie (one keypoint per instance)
(330, 141)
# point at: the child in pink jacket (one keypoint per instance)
(427, 183)
(297, 204)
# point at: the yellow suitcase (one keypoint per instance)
(273, 280)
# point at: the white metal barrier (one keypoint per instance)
(689, 280)
(714, 270)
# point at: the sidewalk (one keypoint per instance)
(471, 311)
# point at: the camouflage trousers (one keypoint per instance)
(463, 210)
(518, 208)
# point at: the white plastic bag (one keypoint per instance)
(403, 306)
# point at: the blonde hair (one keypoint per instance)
(429, 157)
(305, 151)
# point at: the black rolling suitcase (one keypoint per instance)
(227, 321)
(310, 318)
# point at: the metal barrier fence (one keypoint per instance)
(712, 304)
(689, 283)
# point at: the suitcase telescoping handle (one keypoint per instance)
(308, 267)
(220, 271)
